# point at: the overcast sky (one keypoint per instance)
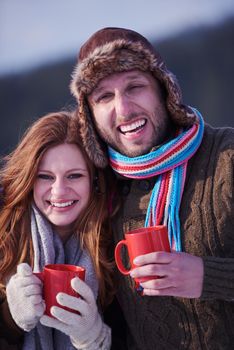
(33, 32)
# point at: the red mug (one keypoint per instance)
(57, 278)
(139, 242)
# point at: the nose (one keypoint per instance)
(59, 188)
(122, 105)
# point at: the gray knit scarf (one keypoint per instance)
(49, 249)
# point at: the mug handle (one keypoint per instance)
(118, 259)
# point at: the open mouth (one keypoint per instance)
(62, 204)
(133, 127)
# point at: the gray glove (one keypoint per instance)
(24, 297)
(86, 330)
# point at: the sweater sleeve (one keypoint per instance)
(219, 268)
(218, 278)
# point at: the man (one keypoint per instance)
(172, 170)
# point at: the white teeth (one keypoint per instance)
(133, 126)
(62, 205)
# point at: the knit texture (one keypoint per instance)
(49, 249)
(207, 221)
(24, 297)
(169, 162)
(103, 342)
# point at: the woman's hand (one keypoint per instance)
(24, 297)
(85, 328)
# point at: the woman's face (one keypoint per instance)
(62, 187)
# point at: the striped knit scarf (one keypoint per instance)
(169, 162)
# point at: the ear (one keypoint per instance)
(91, 140)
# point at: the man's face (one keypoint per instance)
(129, 112)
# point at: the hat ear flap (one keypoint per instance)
(92, 143)
(180, 114)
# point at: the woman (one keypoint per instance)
(54, 211)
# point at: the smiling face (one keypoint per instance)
(62, 187)
(129, 112)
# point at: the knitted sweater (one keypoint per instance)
(207, 230)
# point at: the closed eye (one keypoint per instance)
(104, 97)
(135, 87)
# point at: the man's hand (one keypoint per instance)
(181, 274)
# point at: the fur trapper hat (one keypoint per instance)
(112, 50)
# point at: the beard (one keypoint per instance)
(160, 129)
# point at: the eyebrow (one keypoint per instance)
(70, 170)
(97, 90)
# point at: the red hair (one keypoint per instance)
(17, 178)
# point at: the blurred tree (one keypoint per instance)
(202, 60)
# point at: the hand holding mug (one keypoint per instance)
(140, 242)
(182, 274)
(84, 324)
(57, 278)
(24, 297)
